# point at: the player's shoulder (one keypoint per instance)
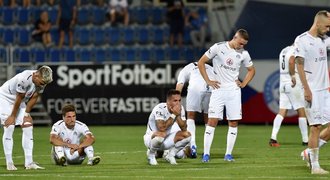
(59, 122)
(302, 36)
(79, 123)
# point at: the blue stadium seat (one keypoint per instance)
(82, 36)
(23, 16)
(83, 16)
(98, 36)
(55, 55)
(189, 54)
(69, 54)
(114, 36)
(39, 55)
(23, 36)
(22, 55)
(8, 36)
(141, 15)
(115, 54)
(144, 54)
(84, 54)
(158, 54)
(52, 13)
(100, 54)
(8, 15)
(158, 35)
(98, 15)
(143, 35)
(174, 53)
(130, 54)
(128, 36)
(3, 55)
(158, 15)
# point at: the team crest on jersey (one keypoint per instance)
(67, 140)
(322, 53)
(229, 62)
(272, 93)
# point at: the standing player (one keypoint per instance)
(227, 58)
(72, 140)
(291, 96)
(159, 136)
(312, 65)
(18, 95)
(198, 97)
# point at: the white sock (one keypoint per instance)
(89, 151)
(322, 142)
(7, 141)
(208, 138)
(231, 139)
(155, 143)
(27, 144)
(314, 157)
(192, 129)
(303, 128)
(276, 126)
(59, 152)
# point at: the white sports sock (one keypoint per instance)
(192, 129)
(231, 139)
(7, 141)
(155, 143)
(179, 146)
(314, 157)
(27, 144)
(303, 128)
(276, 126)
(322, 142)
(208, 138)
(59, 152)
(89, 151)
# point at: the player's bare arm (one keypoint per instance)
(27, 120)
(292, 72)
(201, 66)
(179, 87)
(302, 76)
(12, 117)
(87, 141)
(248, 77)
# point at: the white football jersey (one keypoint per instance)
(190, 73)
(161, 112)
(20, 83)
(71, 136)
(284, 59)
(227, 62)
(314, 52)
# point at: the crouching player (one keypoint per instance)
(71, 139)
(159, 136)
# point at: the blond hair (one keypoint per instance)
(46, 74)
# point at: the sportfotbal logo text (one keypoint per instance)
(115, 75)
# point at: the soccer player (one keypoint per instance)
(18, 95)
(291, 96)
(312, 65)
(198, 98)
(158, 136)
(72, 140)
(227, 58)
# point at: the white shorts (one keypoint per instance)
(197, 101)
(5, 110)
(231, 98)
(291, 98)
(318, 112)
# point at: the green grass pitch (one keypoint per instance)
(124, 157)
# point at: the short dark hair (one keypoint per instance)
(243, 33)
(172, 92)
(68, 108)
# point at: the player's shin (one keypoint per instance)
(27, 144)
(208, 139)
(7, 141)
(192, 129)
(231, 139)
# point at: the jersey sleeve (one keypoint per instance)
(55, 130)
(184, 75)
(299, 48)
(22, 85)
(85, 129)
(247, 59)
(210, 53)
(159, 114)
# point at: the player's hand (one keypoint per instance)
(176, 109)
(239, 84)
(293, 80)
(214, 84)
(10, 121)
(308, 95)
(27, 120)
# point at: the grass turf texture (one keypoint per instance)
(124, 157)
